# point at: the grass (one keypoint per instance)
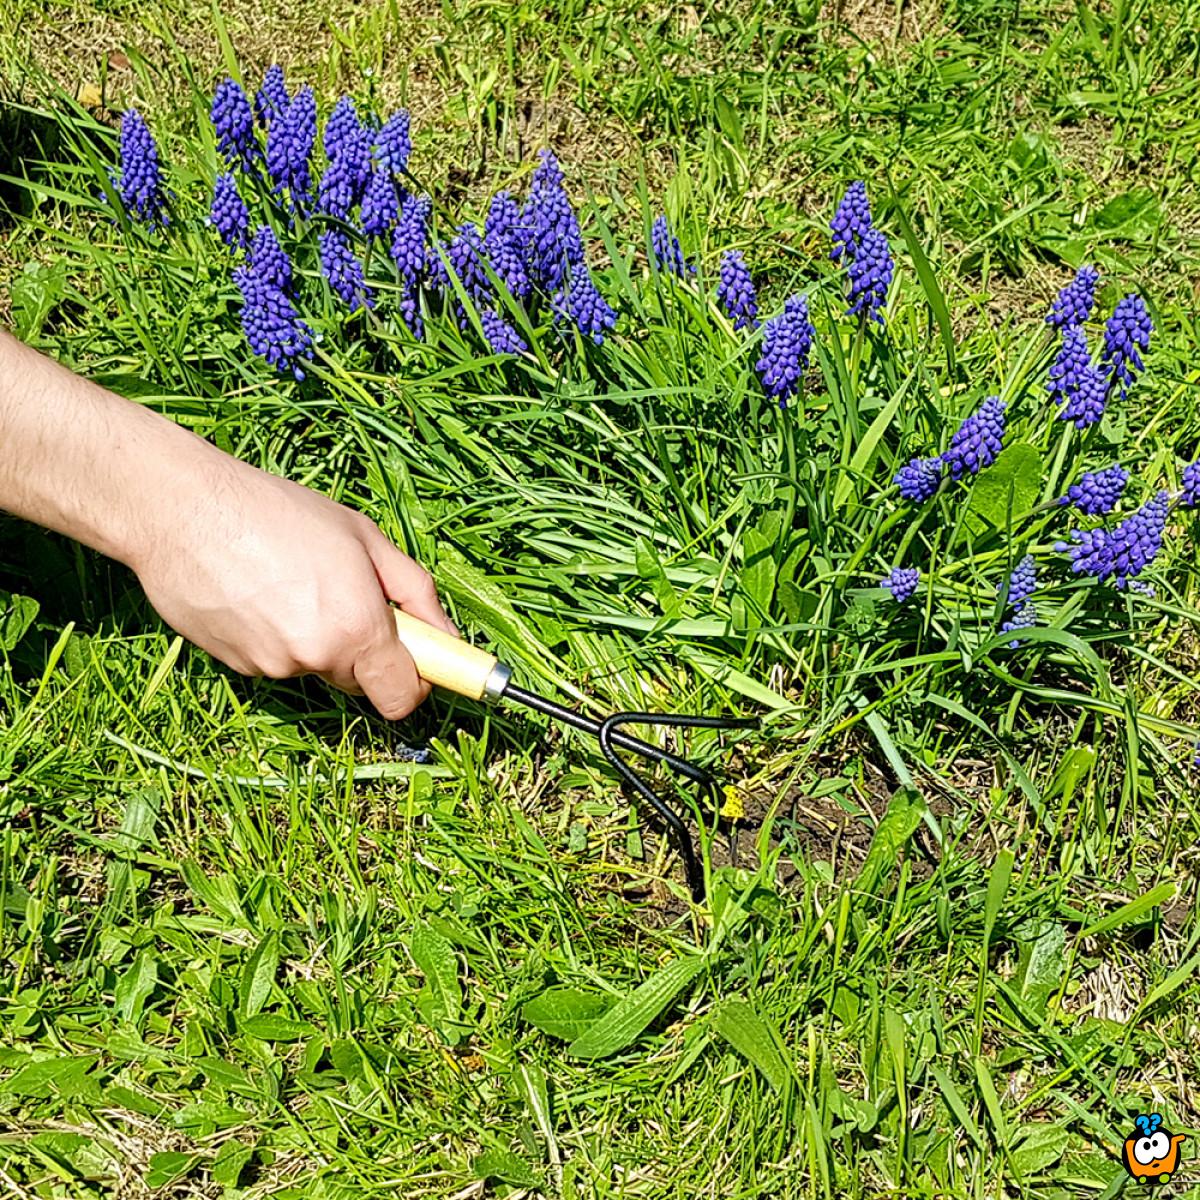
(250, 950)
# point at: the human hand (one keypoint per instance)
(274, 579)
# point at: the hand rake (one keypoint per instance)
(459, 667)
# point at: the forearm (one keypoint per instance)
(87, 463)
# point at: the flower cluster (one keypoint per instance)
(920, 478)
(291, 137)
(270, 322)
(347, 145)
(902, 583)
(1075, 383)
(269, 260)
(1073, 304)
(735, 292)
(555, 241)
(668, 254)
(343, 271)
(1123, 552)
(393, 144)
(506, 245)
(869, 265)
(978, 441)
(272, 97)
(1022, 584)
(233, 123)
(581, 302)
(139, 183)
(787, 343)
(380, 207)
(1097, 492)
(1190, 494)
(1127, 332)
(229, 215)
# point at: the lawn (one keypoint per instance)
(256, 942)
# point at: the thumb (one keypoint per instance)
(406, 583)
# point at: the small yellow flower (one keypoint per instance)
(734, 808)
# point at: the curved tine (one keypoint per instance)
(677, 721)
(674, 821)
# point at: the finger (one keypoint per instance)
(388, 676)
(343, 680)
(406, 582)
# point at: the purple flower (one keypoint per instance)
(735, 292)
(1075, 384)
(380, 205)
(393, 143)
(787, 343)
(1022, 583)
(1097, 492)
(504, 241)
(348, 148)
(269, 260)
(410, 309)
(140, 182)
(870, 272)
(919, 478)
(1128, 330)
(580, 301)
(501, 336)
(1024, 616)
(978, 440)
(229, 215)
(290, 141)
(852, 221)
(668, 253)
(233, 123)
(555, 241)
(902, 583)
(464, 253)
(1190, 495)
(270, 322)
(409, 239)
(272, 98)
(1074, 303)
(1125, 550)
(343, 270)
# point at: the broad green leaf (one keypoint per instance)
(753, 1039)
(271, 1027)
(997, 890)
(1007, 489)
(865, 452)
(904, 813)
(758, 570)
(17, 613)
(68, 1076)
(258, 976)
(168, 1167)
(435, 958)
(506, 1166)
(650, 568)
(134, 987)
(1040, 965)
(565, 1012)
(1040, 1147)
(625, 1022)
(230, 1162)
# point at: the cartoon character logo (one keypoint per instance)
(1151, 1153)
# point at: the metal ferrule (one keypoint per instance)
(496, 683)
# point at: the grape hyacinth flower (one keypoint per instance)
(851, 221)
(1073, 304)
(290, 141)
(978, 440)
(501, 336)
(347, 146)
(1097, 492)
(555, 241)
(393, 143)
(271, 324)
(870, 272)
(464, 254)
(902, 583)
(1025, 616)
(1123, 552)
(919, 478)
(1128, 330)
(269, 260)
(504, 243)
(272, 98)
(140, 182)
(787, 343)
(735, 292)
(409, 239)
(1022, 584)
(233, 123)
(229, 215)
(1189, 497)
(1075, 384)
(380, 205)
(343, 270)
(668, 254)
(580, 301)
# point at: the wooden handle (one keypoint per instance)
(450, 662)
